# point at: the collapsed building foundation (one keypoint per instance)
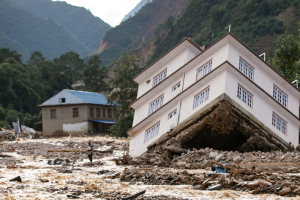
(221, 127)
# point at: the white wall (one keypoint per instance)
(137, 145)
(76, 127)
(263, 78)
(261, 108)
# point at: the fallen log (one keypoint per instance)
(77, 150)
(5, 156)
(135, 195)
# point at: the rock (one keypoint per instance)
(285, 191)
(214, 187)
(207, 163)
(20, 187)
(219, 157)
(18, 178)
(185, 172)
(213, 155)
(253, 184)
(102, 172)
(175, 149)
(199, 178)
(72, 196)
(292, 169)
(238, 159)
(181, 164)
(152, 160)
(44, 180)
(68, 171)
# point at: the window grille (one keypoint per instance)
(279, 123)
(91, 112)
(280, 96)
(152, 132)
(245, 96)
(156, 104)
(75, 112)
(246, 69)
(177, 86)
(159, 78)
(103, 113)
(53, 114)
(201, 97)
(204, 70)
(98, 112)
(109, 113)
(172, 114)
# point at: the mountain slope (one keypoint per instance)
(257, 23)
(135, 31)
(79, 21)
(136, 9)
(5, 41)
(37, 34)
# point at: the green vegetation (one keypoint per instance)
(124, 93)
(79, 21)
(250, 20)
(287, 56)
(26, 85)
(23, 29)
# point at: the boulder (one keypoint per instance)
(285, 191)
(219, 157)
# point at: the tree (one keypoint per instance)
(36, 56)
(71, 66)
(2, 114)
(6, 53)
(124, 92)
(13, 116)
(287, 53)
(94, 76)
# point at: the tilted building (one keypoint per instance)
(188, 80)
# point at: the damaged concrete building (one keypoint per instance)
(224, 97)
(77, 113)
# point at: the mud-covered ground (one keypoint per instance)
(41, 180)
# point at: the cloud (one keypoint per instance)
(110, 11)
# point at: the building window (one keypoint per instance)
(92, 112)
(109, 113)
(62, 100)
(53, 114)
(159, 78)
(280, 96)
(245, 96)
(98, 112)
(75, 112)
(152, 132)
(177, 86)
(246, 69)
(204, 70)
(103, 113)
(201, 97)
(279, 123)
(172, 114)
(156, 104)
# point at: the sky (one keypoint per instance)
(110, 11)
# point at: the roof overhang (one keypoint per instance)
(102, 121)
(164, 59)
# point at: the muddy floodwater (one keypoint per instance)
(41, 180)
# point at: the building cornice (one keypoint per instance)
(182, 41)
(205, 77)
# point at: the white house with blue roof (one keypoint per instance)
(76, 113)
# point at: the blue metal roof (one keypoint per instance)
(90, 97)
(104, 122)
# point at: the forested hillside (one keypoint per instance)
(35, 33)
(79, 21)
(256, 22)
(135, 31)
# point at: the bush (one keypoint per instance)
(3, 124)
(2, 113)
(13, 116)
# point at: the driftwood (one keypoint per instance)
(5, 156)
(135, 195)
(77, 150)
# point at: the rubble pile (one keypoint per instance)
(238, 179)
(6, 136)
